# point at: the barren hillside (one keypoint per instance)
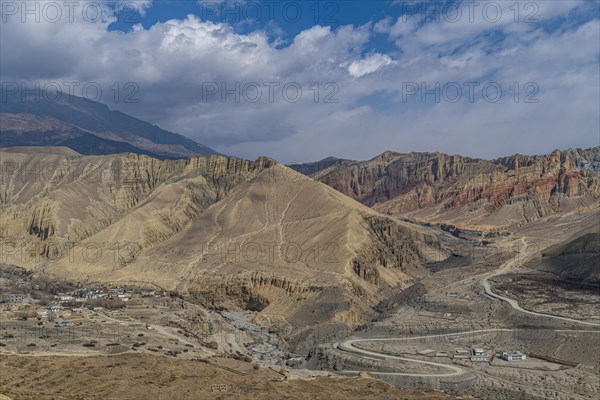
(226, 232)
(576, 259)
(134, 376)
(469, 193)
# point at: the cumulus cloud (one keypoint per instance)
(369, 65)
(328, 91)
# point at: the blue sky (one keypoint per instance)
(485, 79)
(292, 16)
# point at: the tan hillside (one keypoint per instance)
(51, 200)
(134, 376)
(224, 232)
(576, 259)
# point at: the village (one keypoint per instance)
(32, 302)
(50, 317)
(87, 317)
(27, 305)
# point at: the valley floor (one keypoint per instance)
(167, 346)
(489, 303)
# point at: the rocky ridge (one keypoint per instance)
(471, 193)
(193, 226)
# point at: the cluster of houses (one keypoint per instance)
(56, 310)
(13, 298)
(110, 293)
(82, 295)
(95, 294)
(475, 354)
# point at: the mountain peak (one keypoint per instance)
(88, 127)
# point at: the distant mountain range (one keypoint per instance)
(459, 192)
(255, 235)
(88, 127)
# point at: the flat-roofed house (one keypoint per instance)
(513, 356)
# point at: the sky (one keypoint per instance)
(303, 80)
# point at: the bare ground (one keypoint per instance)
(137, 376)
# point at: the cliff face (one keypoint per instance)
(393, 248)
(227, 233)
(50, 200)
(434, 187)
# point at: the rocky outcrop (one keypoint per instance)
(390, 248)
(226, 233)
(252, 292)
(391, 174)
(57, 199)
(517, 189)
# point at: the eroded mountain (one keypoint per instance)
(228, 233)
(468, 193)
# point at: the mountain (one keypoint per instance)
(317, 168)
(88, 127)
(225, 232)
(577, 259)
(467, 193)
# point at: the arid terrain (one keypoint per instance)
(216, 277)
(135, 376)
(299, 200)
(466, 193)
(227, 233)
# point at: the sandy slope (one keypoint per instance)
(226, 232)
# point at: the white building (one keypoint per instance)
(479, 354)
(12, 298)
(461, 354)
(513, 356)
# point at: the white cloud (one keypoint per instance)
(369, 65)
(172, 62)
(383, 26)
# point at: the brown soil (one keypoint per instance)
(136, 376)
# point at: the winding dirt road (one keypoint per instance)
(506, 267)
(349, 345)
